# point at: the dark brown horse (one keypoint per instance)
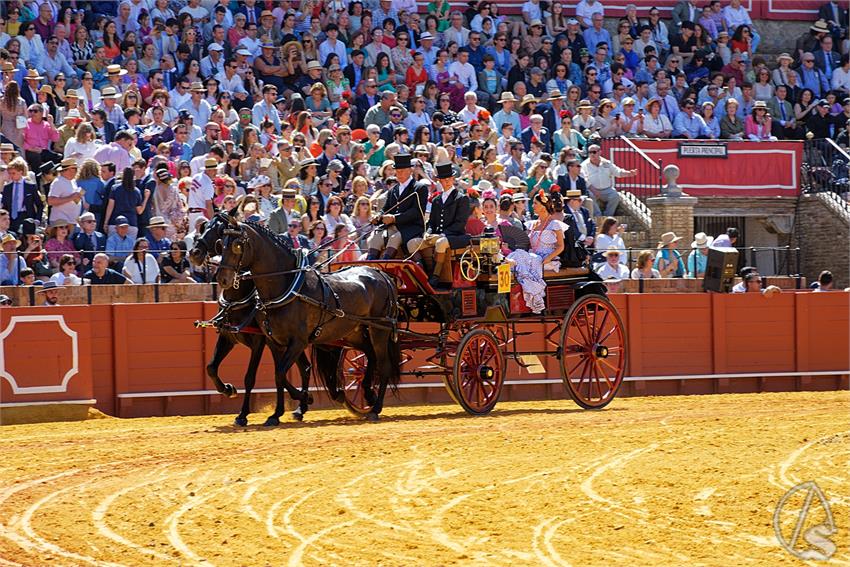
(236, 324)
(355, 307)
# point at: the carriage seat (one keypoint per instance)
(566, 273)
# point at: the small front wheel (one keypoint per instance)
(479, 372)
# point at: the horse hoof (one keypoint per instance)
(297, 415)
(230, 391)
(272, 422)
(372, 416)
(241, 421)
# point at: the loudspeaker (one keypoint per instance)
(720, 270)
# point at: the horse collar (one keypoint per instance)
(294, 287)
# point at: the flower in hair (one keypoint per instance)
(484, 115)
(473, 193)
(554, 189)
(489, 194)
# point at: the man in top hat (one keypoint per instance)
(446, 224)
(64, 196)
(403, 216)
(88, 240)
(507, 114)
(20, 197)
(280, 218)
(201, 191)
(109, 104)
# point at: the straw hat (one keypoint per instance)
(668, 238)
(584, 103)
(7, 67)
(535, 23)
(50, 231)
(71, 93)
(513, 182)
(32, 75)
(529, 98)
(157, 222)
(556, 94)
(573, 194)
(67, 163)
(784, 56)
(306, 163)
(606, 101)
(820, 26)
(612, 251)
(197, 86)
(210, 163)
(701, 240)
(109, 93)
(760, 104)
(387, 163)
(45, 89)
(507, 96)
(47, 286)
(114, 70)
(9, 237)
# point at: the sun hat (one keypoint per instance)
(67, 163)
(820, 26)
(115, 70)
(47, 286)
(109, 93)
(573, 194)
(507, 96)
(32, 75)
(513, 182)
(702, 240)
(668, 238)
(210, 163)
(158, 222)
(9, 237)
(612, 251)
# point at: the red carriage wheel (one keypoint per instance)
(593, 352)
(350, 376)
(479, 371)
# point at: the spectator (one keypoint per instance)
(11, 263)
(811, 77)
(612, 268)
(689, 124)
(88, 240)
(174, 265)
(599, 173)
(611, 237)
(50, 290)
(825, 282)
(726, 240)
(698, 258)
(644, 269)
(119, 244)
(66, 275)
(65, 197)
(668, 261)
(141, 267)
(20, 197)
(39, 134)
(101, 273)
(59, 243)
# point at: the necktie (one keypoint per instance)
(295, 243)
(17, 200)
(828, 62)
(782, 110)
(666, 110)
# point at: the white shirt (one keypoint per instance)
(200, 191)
(585, 12)
(235, 84)
(62, 279)
(604, 242)
(466, 75)
(840, 80)
(735, 18)
(79, 151)
(141, 272)
(607, 272)
(69, 211)
(600, 176)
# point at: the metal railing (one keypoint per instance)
(826, 167)
(768, 261)
(625, 154)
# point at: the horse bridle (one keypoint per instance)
(237, 246)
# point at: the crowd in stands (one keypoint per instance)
(126, 125)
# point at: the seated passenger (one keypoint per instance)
(612, 268)
(403, 215)
(446, 224)
(547, 243)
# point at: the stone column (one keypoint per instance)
(673, 214)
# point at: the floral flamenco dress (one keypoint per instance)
(528, 266)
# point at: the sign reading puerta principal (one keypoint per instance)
(726, 168)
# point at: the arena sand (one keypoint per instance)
(648, 481)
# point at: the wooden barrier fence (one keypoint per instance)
(148, 359)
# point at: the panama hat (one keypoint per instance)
(584, 103)
(67, 163)
(513, 182)
(668, 238)
(612, 250)
(115, 70)
(535, 23)
(197, 86)
(573, 194)
(71, 93)
(32, 75)
(507, 96)
(73, 114)
(387, 163)
(820, 27)
(45, 89)
(306, 163)
(210, 163)
(9, 237)
(529, 98)
(158, 222)
(760, 104)
(50, 231)
(784, 56)
(701, 240)
(556, 94)
(606, 101)
(7, 67)
(314, 65)
(109, 93)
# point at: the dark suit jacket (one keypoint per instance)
(303, 241)
(825, 13)
(258, 9)
(410, 213)
(449, 219)
(544, 137)
(33, 205)
(588, 221)
(89, 245)
(109, 130)
(348, 73)
(820, 60)
(362, 104)
(564, 183)
(28, 95)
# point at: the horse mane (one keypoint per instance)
(273, 236)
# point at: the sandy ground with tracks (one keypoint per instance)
(648, 481)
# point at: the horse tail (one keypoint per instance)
(393, 350)
(327, 361)
(394, 353)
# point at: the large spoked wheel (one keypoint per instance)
(479, 371)
(350, 375)
(593, 347)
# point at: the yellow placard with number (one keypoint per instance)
(504, 278)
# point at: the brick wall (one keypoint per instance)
(672, 215)
(824, 241)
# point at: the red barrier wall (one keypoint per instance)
(752, 169)
(149, 359)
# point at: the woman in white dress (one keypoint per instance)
(547, 242)
(83, 145)
(141, 267)
(611, 235)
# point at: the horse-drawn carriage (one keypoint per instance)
(363, 328)
(482, 315)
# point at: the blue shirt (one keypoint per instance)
(593, 37)
(93, 186)
(813, 79)
(503, 61)
(693, 125)
(119, 248)
(10, 270)
(158, 246)
(701, 263)
(125, 204)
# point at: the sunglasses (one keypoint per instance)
(593, 152)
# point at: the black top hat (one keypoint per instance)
(47, 167)
(402, 161)
(444, 170)
(29, 226)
